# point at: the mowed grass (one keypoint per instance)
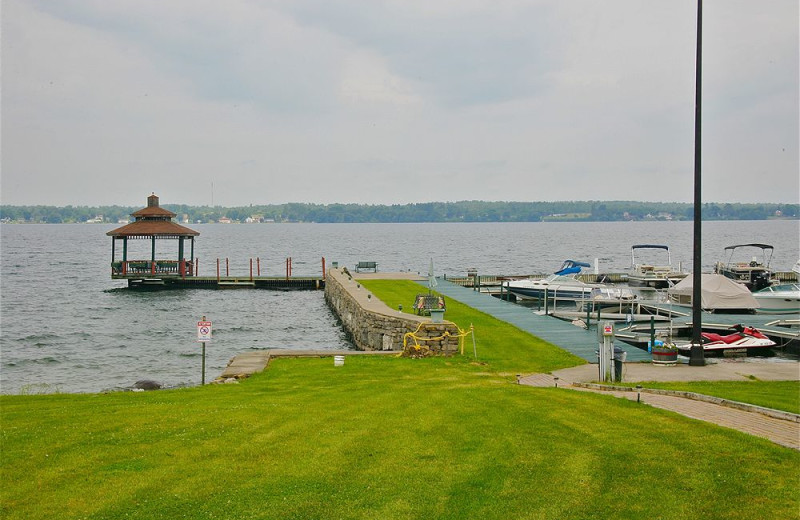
(385, 438)
(504, 347)
(780, 395)
(380, 438)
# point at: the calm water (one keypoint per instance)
(66, 326)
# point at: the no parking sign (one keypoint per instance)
(203, 331)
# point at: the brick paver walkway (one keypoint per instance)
(783, 432)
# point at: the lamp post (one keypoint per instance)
(696, 355)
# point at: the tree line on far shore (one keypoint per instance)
(463, 211)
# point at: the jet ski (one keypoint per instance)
(742, 338)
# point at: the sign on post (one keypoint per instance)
(204, 331)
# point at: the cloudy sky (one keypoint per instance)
(270, 101)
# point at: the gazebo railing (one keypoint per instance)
(148, 267)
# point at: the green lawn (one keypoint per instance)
(504, 347)
(384, 438)
(780, 395)
(379, 438)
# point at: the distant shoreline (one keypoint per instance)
(463, 211)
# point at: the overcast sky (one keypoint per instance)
(399, 101)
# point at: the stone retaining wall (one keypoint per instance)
(374, 326)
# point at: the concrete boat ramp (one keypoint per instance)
(249, 363)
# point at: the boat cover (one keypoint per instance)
(717, 292)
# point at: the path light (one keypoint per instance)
(369, 296)
(638, 393)
(400, 308)
(518, 377)
(555, 379)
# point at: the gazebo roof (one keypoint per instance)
(159, 228)
(153, 221)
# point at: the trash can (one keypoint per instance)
(619, 358)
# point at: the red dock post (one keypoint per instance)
(227, 268)
(196, 266)
(217, 270)
(251, 269)
(258, 265)
(323, 267)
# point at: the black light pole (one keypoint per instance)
(696, 355)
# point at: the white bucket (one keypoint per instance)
(338, 361)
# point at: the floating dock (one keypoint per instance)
(577, 340)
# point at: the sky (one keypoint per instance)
(393, 102)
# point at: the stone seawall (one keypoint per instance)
(372, 325)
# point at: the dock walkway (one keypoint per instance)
(581, 342)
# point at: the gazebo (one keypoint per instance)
(152, 223)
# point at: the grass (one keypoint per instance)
(780, 395)
(388, 438)
(379, 438)
(504, 347)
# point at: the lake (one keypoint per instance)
(66, 326)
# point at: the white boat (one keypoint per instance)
(563, 285)
(717, 294)
(650, 275)
(779, 299)
(608, 298)
(555, 286)
(754, 274)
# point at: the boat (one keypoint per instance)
(620, 298)
(717, 294)
(742, 339)
(754, 274)
(653, 276)
(562, 285)
(779, 299)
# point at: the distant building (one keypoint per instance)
(224, 220)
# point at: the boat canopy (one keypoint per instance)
(760, 246)
(571, 267)
(766, 250)
(650, 246)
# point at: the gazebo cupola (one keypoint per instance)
(152, 223)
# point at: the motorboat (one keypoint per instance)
(650, 275)
(562, 285)
(754, 274)
(779, 299)
(621, 298)
(742, 338)
(717, 294)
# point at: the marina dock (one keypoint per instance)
(577, 340)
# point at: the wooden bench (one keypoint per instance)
(425, 302)
(367, 265)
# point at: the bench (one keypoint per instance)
(367, 265)
(425, 302)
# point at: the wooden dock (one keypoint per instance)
(279, 283)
